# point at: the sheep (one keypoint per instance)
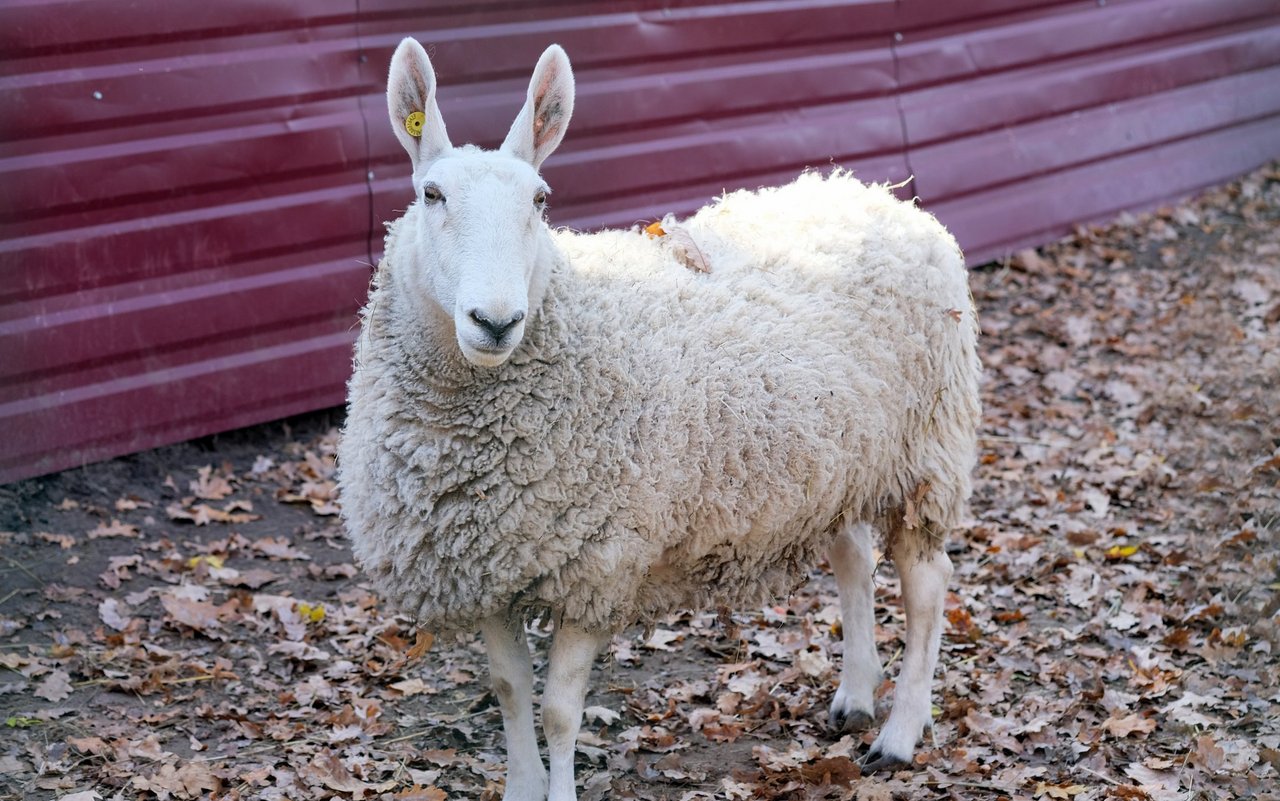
(580, 428)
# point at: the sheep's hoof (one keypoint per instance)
(841, 722)
(877, 760)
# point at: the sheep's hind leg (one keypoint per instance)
(924, 579)
(852, 562)
(573, 650)
(511, 674)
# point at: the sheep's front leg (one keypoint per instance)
(573, 651)
(853, 707)
(924, 587)
(511, 674)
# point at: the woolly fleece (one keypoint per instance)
(663, 438)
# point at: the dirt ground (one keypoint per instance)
(187, 623)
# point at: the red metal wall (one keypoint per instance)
(192, 193)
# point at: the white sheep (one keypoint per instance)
(579, 427)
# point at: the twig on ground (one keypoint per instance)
(19, 566)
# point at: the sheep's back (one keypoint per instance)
(824, 366)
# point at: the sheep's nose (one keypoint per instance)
(496, 329)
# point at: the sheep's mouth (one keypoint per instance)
(485, 348)
(486, 355)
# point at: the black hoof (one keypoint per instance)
(842, 723)
(878, 760)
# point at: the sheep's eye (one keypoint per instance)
(540, 199)
(431, 193)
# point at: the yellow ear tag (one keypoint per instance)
(413, 123)
(655, 230)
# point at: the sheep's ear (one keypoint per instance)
(411, 102)
(547, 108)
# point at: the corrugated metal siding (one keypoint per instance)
(1073, 113)
(193, 192)
(184, 235)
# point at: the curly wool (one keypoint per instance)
(667, 439)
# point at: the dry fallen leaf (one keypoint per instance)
(63, 541)
(409, 687)
(210, 486)
(202, 514)
(198, 615)
(328, 770)
(55, 687)
(279, 548)
(687, 250)
(191, 780)
(114, 529)
(114, 613)
(662, 639)
(418, 793)
(89, 745)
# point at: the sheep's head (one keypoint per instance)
(484, 250)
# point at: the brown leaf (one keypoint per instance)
(278, 548)
(1158, 784)
(321, 495)
(118, 570)
(301, 651)
(1046, 790)
(662, 639)
(831, 770)
(346, 570)
(114, 613)
(235, 512)
(89, 745)
(198, 615)
(911, 518)
(413, 686)
(209, 485)
(114, 529)
(422, 643)
(63, 541)
(1030, 261)
(686, 250)
(1129, 724)
(328, 770)
(420, 793)
(443, 757)
(197, 778)
(1208, 754)
(148, 747)
(1128, 792)
(189, 781)
(253, 579)
(672, 767)
(55, 687)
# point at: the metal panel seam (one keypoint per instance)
(897, 95)
(362, 64)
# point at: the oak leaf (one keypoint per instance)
(55, 687)
(1129, 724)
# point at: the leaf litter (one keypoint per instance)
(188, 624)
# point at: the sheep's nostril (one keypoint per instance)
(495, 329)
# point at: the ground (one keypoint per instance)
(187, 623)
